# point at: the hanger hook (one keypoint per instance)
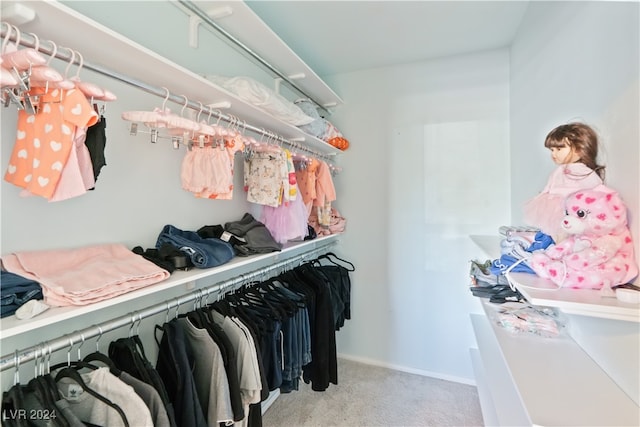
(42, 358)
(69, 352)
(7, 36)
(54, 51)
(49, 351)
(166, 317)
(35, 361)
(37, 41)
(133, 322)
(206, 298)
(177, 307)
(71, 61)
(186, 101)
(199, 112)
(16, 363)
(18, 35)
(80, 346)
(98, 339)
(81, 64)
(166, 98)
(139, 323)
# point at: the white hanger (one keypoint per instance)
(20, 59)
(41, 75)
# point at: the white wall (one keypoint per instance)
(428, 166)
(431, 163)
(584, 67)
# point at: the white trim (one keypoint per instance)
(408, 370)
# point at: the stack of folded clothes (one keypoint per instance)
(247, 236)
(15, 291)
(203, 252)
(84, 275)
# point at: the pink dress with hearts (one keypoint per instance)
(44, 140)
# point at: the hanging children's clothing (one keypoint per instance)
(287, 222)
(265, 176)
(96, 142)
(207, 171)
(45, 140)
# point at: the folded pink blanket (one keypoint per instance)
(85, 275)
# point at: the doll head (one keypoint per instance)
(574, 142)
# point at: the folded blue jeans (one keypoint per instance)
(16, 290)
(204, 252)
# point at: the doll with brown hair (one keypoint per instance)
(574, 148)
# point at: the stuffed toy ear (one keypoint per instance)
(618, 208)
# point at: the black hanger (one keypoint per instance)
(96, 356)
(328, 256)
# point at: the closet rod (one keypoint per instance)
(210, 22)
(66, 341)
(65, 54)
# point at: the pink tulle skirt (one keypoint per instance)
(287, 221)
(546, 211)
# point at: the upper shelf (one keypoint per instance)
(241, 21)
(110, 50)
(584, 302)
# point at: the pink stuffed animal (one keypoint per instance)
(598, 250)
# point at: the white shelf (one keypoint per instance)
(247, 27)
(489, 415)
(11, 326)
(584, 302)
(102, 46)
(548, 381)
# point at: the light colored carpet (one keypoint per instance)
(368, 395)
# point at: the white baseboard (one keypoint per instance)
(269, 401)
(408, 370)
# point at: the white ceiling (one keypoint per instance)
(341, 36)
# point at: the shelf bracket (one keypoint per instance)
(279, 80)
(195, 21)
(219, 105)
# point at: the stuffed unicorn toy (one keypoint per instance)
(598, 251)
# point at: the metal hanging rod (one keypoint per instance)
(31, 353)
(229, 37)
(66, 54)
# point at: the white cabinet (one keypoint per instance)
(529, 380)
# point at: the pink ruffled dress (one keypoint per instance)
(546, 210)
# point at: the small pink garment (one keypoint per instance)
(84, 275)
(546, 210)
(286, 222)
